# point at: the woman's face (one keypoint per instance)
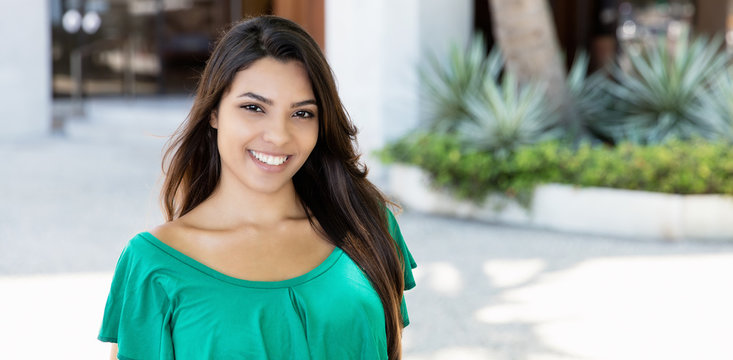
(267, 124)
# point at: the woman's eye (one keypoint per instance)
(252, 107)
(303, 114)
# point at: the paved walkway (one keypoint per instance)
(68, 205)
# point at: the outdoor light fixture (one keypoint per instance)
(71, 21)
(91, 22)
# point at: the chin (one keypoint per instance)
(267, 187)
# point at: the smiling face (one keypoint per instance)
(267, 125)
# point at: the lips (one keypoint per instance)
(269, 159)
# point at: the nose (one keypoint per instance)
(278, 131)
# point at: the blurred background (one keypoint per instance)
(91, 89)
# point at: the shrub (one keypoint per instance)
(670, 116)
(681, 167)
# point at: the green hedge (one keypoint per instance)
(679, 167)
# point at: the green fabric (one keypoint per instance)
(161, 297)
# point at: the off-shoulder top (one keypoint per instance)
(165, 305)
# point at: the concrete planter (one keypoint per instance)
(601, 211)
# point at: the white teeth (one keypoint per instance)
(269, 159)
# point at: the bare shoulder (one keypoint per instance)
(177, 233)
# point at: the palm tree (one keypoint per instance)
(526, 34)
(525, 31)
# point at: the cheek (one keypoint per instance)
(306, 134)
(225, 139)
(315, 127)
(313, 135)
(234, 132)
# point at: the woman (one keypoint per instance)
(276, 245)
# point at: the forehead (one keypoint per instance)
(273, 79)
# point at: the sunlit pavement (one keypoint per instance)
(52, 316)
(70, 203)
(498, 293)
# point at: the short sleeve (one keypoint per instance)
(394, 231)
(138, 311)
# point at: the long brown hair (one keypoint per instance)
(332, 184)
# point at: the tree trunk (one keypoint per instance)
(526, 35)
(525, 32)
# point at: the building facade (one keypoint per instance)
(152, 47)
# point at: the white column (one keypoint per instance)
(25, 69)
(354, 30)
(374, 48)
(443, 22)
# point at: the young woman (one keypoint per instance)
(276, 245)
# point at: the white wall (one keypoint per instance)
(354, 33)
(25, 69)
(443, 22)
(374, 48)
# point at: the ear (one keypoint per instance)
(214, 120)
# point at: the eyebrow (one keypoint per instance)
(270, 102)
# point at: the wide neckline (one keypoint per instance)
(298, 280)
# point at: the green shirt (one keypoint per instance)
(165, 305)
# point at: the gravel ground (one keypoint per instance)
(69, 203)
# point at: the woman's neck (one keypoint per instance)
(233, 204)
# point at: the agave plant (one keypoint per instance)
(487, 113)
(588, 96)
(717, 106)
(658, 96)
(506, 115)
(449, 82)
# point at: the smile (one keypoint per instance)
(269, 159)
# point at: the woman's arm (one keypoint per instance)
(113, 352)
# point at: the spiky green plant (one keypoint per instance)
(507, 115)
(468, 98)
(448, 82)
(588, 95)
(717, 106)
(657, 97)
